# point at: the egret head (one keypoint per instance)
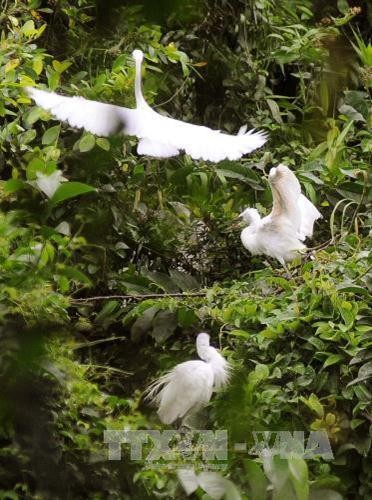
(250, 215)
(278, 173)
(202, 346)
(202, 339)
(137, 55)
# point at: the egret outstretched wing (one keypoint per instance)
(95, 117)
(309, 214)
(201, 143)
(291, 220)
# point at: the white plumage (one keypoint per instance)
(281, 233)
(158, 135)
(189, 386)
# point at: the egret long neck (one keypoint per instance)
(140, 101)
(254, 218)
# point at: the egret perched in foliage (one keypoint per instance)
(281, 233)
(158, 135)
(189, 385)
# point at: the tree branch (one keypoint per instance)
(142, 297)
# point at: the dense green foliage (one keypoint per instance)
(73, 363)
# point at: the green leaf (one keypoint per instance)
(53, 80)
(365, 371)
(164, 324)
(106, 310)
(70, 190)
(260, 373)
(184, 281)
(28, 28)
(275, 111)
(162, 280)
(103, 143)
(75, 274)
(51, 135)
(355, 289)
(46, 255)
(60, 67)
(333, 359)
(314, 404)
(143, 323)
(33, 116)
(300, 477)
(86, 143)
(257, 481)
(13, 185)
(351, 113)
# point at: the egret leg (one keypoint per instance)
(289, 275)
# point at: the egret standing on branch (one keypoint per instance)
(189, 385)
(281, 233)
(158, 135)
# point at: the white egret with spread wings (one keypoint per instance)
(159, 136)
(291, 220)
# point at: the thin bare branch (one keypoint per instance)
(141, 297)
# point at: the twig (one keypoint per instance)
(140, 297)
(106, 368)
(321, 246)
(96, 342)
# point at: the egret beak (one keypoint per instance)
(237, 221)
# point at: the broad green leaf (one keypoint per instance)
(314, 404)
(53, 80)
(74, 274)
(103, 143)
(143, 323)
(28, 29)
(184, 281)
(299, 477)
(37, 64)
(162, 280)
(51, 135)
(107, 310)
(351, 113)
(86, 143)
(46, 255)
(33, 116)
(60, 67)
(70, 190)
(10, 65)
(333, 359)
(257, 481)
(275, 111)
(34, 166)
(13, 185)
(164, 324)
